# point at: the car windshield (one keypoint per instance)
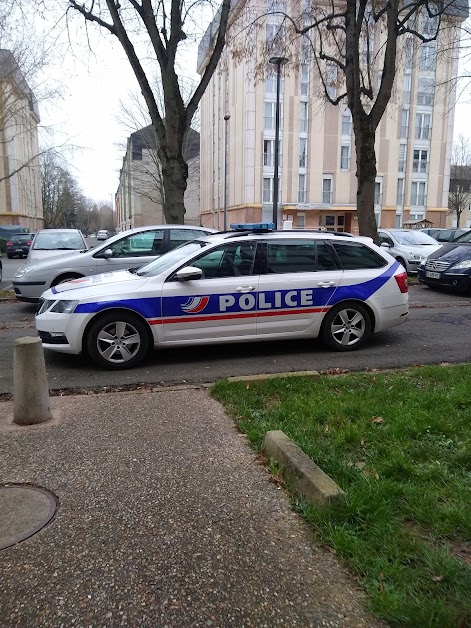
(166, 261)
(466, 237)
(413, 238)
(58, 241)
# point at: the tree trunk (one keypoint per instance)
(175, 176)
(366, 174)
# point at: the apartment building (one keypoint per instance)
(317, 166)
(20, 176)
(138, 200)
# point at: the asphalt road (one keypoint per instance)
(438, 330)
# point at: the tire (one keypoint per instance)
(346, 327)
(104, 340)
(64, 279)
(10, 256)
(402, 262)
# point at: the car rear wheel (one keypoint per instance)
(346, 327)
(402, 262)
(118, 340)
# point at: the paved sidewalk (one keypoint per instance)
(165, 519)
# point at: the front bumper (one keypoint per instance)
(28, 291)
(62, 332)
(454, 281)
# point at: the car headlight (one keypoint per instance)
(417, 256)
(466, 263)
(23, 271)
(64, 307)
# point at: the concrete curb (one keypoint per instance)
(255, 378)
(300, 472)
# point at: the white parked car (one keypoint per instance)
(252, 284)
(409, 246)
(49, 243)
(103, 234)
(129, 249)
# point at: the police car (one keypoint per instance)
(249, 284)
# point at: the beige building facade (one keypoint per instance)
(317, 167)
(138, 198)
(20, 176)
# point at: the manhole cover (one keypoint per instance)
(24, 510)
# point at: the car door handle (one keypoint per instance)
(326, 284)
(245, 288)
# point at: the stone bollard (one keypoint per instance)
(30, 387)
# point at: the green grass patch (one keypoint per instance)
(7, 294)
(399, 444)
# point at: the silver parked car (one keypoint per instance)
(408, 246)
(129, 249)
(48, 243)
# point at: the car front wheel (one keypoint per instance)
(118, 340)
(346, 327)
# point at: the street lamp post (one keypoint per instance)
(278, 61)
(226, 120)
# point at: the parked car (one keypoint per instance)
(129, 249)
(103, 234)
(18, 245)
(449, 267)
(408, 246)
(230, 287)
(49, 243)
(445, 235)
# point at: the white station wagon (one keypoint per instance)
(251, 284)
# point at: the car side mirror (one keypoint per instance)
(107, 253)
(189, 272)
(385, 245)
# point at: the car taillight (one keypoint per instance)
(9, 243)
(401, 281)
(29, 242)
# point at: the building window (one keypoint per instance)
(270, 116)
(303, 117)
(420, 163)
(302, 152)
(345, 157)
(305, 51)
(347, 123)
(268, 153)
(418, 196)
(409, 48)
(304, 79)
(301, 188)
(406, 89)
(402, 158)
(422, 126)
(274, 38)
(267, 195)
(378, 194)
(428, 56)
(275, 6)
(404, 123)
(327, 190)
(331, 80)
(429, 23)
(400, 192)
(425, 91)
(300, 221)
(270, 81)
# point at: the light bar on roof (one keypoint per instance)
(253, 226)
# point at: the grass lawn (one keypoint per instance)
(399, 444)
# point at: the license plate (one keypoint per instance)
(432, 275)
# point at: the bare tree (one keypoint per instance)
(61, 195)
(164, 24)
(459, 198)
(357, 47)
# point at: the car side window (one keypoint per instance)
(230, 260)
(138, 244)
(385, 239)
(299, 257)
(356, 256)
(180, 236)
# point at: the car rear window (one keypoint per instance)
(26, 237)
(356, 256)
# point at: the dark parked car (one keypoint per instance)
(18, 245)
(450, 266)
(445, 235)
